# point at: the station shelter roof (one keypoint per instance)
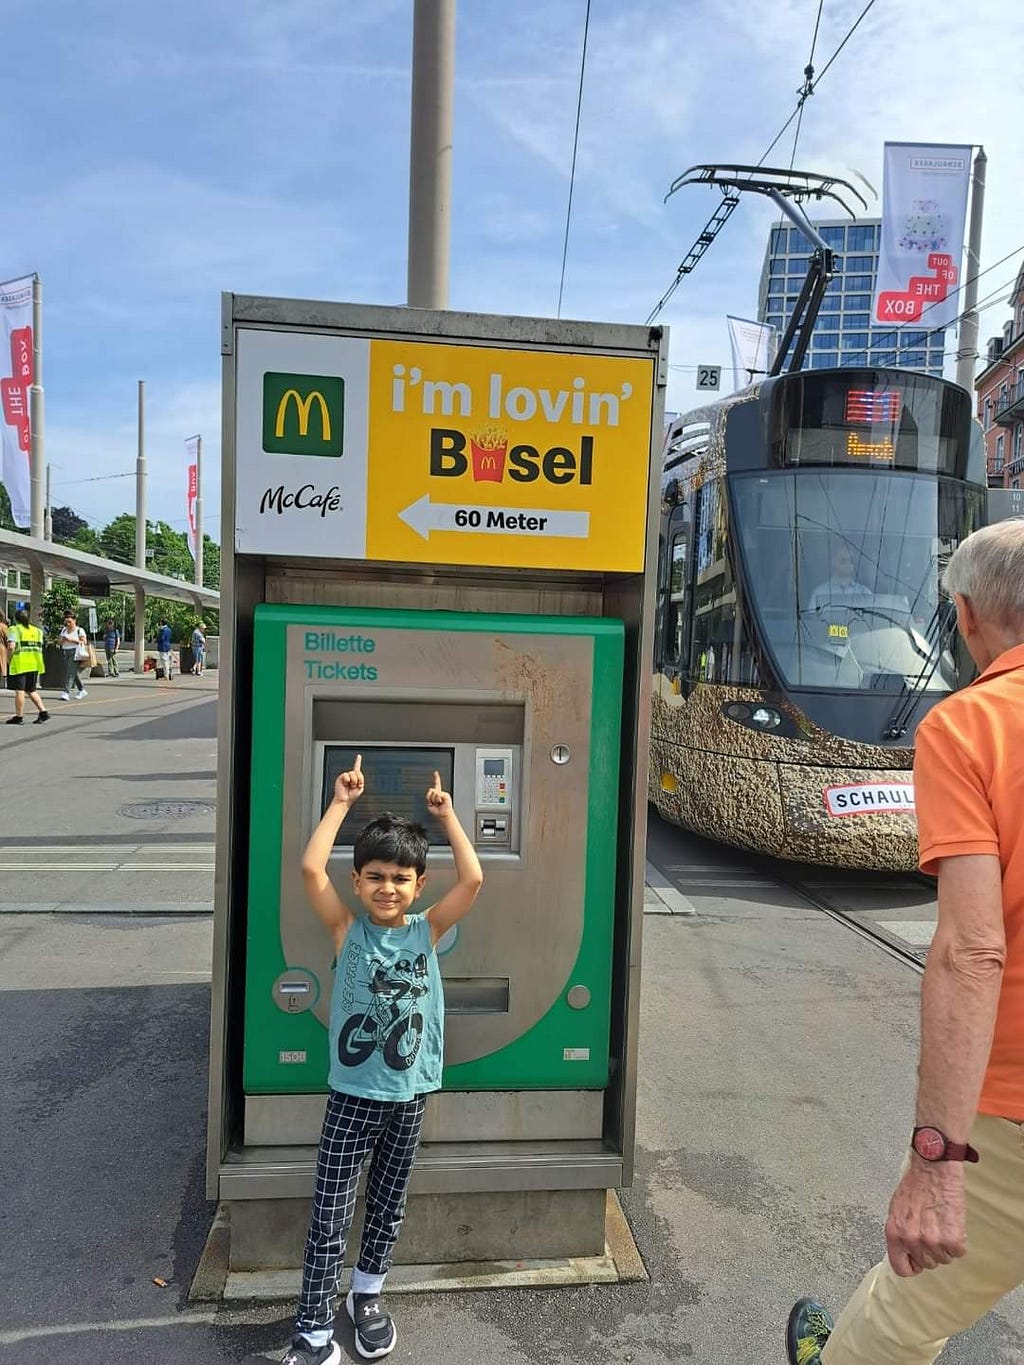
(27, 553)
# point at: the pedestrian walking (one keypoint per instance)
(163, 648)
(386, 1044)
(111, 644)
(198, 649)
(4, 650)
(74, 645)
(25, 666)
(955, 1231)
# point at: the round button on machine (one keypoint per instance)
(578, 997)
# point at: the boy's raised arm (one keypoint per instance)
(332, 910)
(451, 907)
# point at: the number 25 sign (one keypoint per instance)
(709, 376)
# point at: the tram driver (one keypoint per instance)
(842, 583)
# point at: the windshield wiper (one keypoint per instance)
(897, 726)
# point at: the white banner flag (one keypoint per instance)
(191, 489)
(16, 362)
(924, 208)
(754, 345)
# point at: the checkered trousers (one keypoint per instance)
(353, 1128)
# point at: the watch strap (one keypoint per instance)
(959, 1151)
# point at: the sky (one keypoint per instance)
(158, 155)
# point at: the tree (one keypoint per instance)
(66, 524)
(211, 563)
(61, 598)
(170, 551)
(85, 538)
(182, 618)
(6, 516)
(117, 540)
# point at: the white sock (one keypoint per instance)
(362, 1283)
(318, 1339)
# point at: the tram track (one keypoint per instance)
(896, 911)
(913, 957)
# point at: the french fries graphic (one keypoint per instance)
(488, 447)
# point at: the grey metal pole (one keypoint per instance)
(199, 511)
(140, 531)
(967, 352)
(48, 513)
(37, 424)
(430, 153)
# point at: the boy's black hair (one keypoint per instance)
(22, 617)
(392, 839)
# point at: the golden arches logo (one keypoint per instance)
(303, 407)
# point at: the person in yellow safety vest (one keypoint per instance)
(25, 667)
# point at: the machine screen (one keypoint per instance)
(494, 767)
(397, 779)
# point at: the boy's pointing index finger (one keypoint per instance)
(437, 781)
(358, 766)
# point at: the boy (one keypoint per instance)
(386, 1040)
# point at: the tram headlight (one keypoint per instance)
(754, 717)
(766, 717)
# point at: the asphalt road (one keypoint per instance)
(777, 1059)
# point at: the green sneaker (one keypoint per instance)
(809, 1327)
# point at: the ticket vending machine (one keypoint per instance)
(522, 718)
(442, 530)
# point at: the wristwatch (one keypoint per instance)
(931, 1144)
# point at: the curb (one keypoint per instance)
(215, 1281)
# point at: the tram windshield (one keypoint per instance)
(843, 567)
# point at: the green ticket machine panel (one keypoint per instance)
(521, 715)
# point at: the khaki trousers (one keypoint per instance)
(894, 1321)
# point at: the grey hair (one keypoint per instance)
(988, 568)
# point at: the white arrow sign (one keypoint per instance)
(425, 516)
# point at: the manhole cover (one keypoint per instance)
(166, 810)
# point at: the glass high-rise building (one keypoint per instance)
(843, 334)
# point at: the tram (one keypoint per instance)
(801, 633)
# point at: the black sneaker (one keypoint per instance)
(41, 718)
(809, 1327)
(15, 720)
(301, 1353)
(375, 1332)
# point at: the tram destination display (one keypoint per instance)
(871, 418)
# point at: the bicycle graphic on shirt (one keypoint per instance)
(391, 1022)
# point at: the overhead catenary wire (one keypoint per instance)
(990, 300)
(98, 478)
(807, 89)
(895, 331)
(575, 149)
(853, 30)
(777, 138)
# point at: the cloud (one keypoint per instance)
(87, 446)
(159, 157)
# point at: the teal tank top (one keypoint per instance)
(387, 1012)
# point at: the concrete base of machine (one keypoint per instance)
(254, 1249)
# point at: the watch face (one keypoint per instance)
(929, 1144)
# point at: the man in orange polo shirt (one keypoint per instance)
(955, 1233)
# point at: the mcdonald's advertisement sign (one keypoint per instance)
(303, 414)
(423, 451)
